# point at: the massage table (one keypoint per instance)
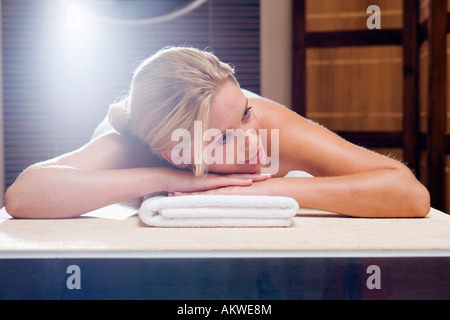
(320, 256)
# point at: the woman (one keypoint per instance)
(187, 89)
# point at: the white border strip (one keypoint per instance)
(225, 254)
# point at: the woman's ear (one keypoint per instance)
(174, 159)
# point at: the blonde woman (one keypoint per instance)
(186, 89)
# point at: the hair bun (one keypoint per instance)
(119, 117)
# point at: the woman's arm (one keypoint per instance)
(108, 170)
(374, 194)
(348, 179)
(54, 191)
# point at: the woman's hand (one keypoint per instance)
(259, 187)
(185, 182)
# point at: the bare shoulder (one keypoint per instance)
(306, 145)
(108, 152)
(271, 113)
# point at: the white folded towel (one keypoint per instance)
(218, 211)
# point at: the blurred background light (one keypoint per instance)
(141, 12)
(66, 61)
(78, 26)
(73, 18)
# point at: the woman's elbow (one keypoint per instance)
(424, 202)
(413, 198)
(18, 201)
(13, 206)
(21, 200)
(418, 205)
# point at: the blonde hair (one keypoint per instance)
(170, 90)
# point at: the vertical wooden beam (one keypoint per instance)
(411, 146)
(437, 104)
(299, 57)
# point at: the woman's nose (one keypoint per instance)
(250, 141)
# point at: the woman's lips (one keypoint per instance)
(255, 157)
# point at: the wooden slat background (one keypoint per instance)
(360, 88)
(354, 88)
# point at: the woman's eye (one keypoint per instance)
(224, 139)
(247, 113)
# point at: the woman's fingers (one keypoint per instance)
(237, 179)
(261, 177)
(212, 181)
(256, 177)
(222, 191)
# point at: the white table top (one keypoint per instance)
(312, 233)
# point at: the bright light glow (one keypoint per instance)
(77, 25)
(73, 18)
(163, 18)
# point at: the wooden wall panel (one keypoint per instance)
(447, 182)
(355, 88)
(448, 84)
(424, 58)
(361, 88)
(424, 10)
(431, 177)
(339, 15)
(447, 168)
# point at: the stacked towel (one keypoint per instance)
(218, 211)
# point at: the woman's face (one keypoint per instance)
(231, 143)
(232, 140)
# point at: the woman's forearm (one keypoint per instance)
(379, 193)
(52, 191)
(62, 192)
